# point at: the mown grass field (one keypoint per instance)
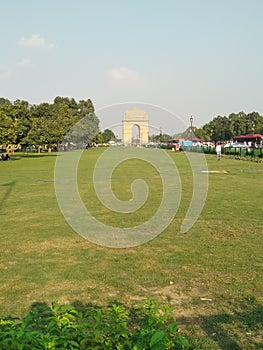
(211, 276)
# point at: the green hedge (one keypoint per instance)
(146, 326)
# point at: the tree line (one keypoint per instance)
(220, 128)
(225, 128)
(48, 123)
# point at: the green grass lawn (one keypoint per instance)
(211, 276)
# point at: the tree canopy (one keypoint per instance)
(108, 135)
(47, 123)
(225, 128)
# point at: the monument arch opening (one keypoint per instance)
(136, 134)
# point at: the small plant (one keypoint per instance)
(157, 328)
(147, 326)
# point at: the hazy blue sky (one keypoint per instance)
(202, 58)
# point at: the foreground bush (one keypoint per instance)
(147, 326)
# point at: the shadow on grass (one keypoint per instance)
(9, 187)
(231, 329)
(18, 156)
(12, 158)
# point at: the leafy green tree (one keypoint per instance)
(108, 135)
(70, 102)
(237, 123)
(160, 138)
(6, 106)
(84, 125)
(36, 132)
(225, 128)
(65, 119)
(7, 132)
(221, 129)
(84, 131)
(165, 137)
(43, 110)
(255, 123)
(21, 114)
(203, 134)
(85, 108)
(98, 138)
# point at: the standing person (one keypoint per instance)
(218, 151)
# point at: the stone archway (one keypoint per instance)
(138, 117)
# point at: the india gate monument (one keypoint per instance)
(135, 117)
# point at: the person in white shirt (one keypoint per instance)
(218, 151)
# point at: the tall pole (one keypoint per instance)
(191, 122)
